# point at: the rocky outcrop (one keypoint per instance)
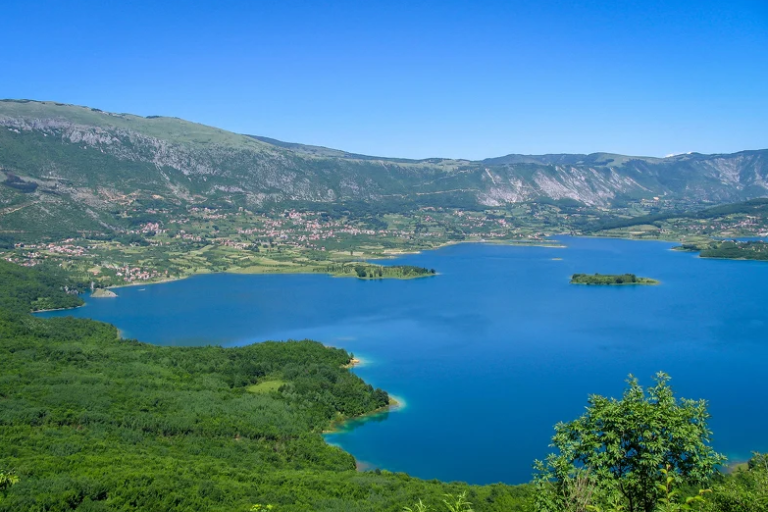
(82, 150)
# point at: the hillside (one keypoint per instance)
(82, 167)
(700, 226)
(93, 422)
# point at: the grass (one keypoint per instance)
(266, 386)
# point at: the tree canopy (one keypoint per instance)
(625, 448)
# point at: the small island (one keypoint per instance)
(610, 279)
(103, 293)
(369, 271)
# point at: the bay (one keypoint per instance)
(487, 356)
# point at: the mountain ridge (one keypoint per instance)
(85, 163)
(310, 148)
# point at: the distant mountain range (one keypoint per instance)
(83, 159)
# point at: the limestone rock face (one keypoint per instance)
(94, 161)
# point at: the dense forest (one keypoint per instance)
(752, 207)
(728, 249)
(367, 271)
(93, 422)
(610, 279)
(37, 288)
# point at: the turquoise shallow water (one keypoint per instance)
(491, 353)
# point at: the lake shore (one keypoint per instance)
(353, 363)
(338, 426)
(418, 336)
(303, 270)
(293, 268)
(57, 309)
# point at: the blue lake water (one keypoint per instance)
(494, 351)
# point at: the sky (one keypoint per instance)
(412, 79)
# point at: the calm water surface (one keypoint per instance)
(494, 351)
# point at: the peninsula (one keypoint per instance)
(729, 249)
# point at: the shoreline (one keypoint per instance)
(341, 426)
(146, 283)
(355, 361)
(295, 269)
(664, 240)
(735, 466)
(337, 426)
(272, 271)
(57, 309)
(655, 282)
(727, 259)
(394, 255)
(304, 271)
(391, 254)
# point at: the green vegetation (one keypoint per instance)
(7, 479)
(451, 503)
(610, 279)
(621, 452)
(151, 193)
(732, 250)
(751, 207)
(746, 490)
(35, 289)
(121, 198)
(379, 271)
(93, 422)
(694, 224)
(266, 386)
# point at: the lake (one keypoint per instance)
(491, 353)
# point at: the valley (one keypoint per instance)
(120, 199)
(91, 200)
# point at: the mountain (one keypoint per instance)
(75, 162)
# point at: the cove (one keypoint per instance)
(491, 353)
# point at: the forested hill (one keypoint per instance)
(91, 422)
(24, 289)
(83, 166)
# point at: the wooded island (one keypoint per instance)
(610, 279)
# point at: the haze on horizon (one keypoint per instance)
(413, 80)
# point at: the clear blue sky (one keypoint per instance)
(412, 78)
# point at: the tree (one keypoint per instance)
(745, 490)
(458, 503)
(621, 450)
(7, 479)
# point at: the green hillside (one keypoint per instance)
(73, 168)
(92, 422)
(695, 226)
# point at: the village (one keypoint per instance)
(166, 244)
(208, 240)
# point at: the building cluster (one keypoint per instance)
(65, 247)
(183, 235)
(747, 224)
(208, 213)
(131, 274)
(290, 229)
(310, 230)
(24, 261)
(153, 228)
